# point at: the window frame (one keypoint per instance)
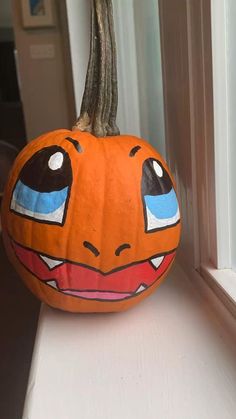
(219, 273)
(201, 38)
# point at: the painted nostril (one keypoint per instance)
(122, 247)
(91, 247)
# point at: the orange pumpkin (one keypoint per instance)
(91, 225)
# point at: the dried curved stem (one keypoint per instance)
(84, 121)
(99, 103)
(113, 129)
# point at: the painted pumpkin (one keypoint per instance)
(91, 225)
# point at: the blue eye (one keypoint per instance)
(160, 203)
(48, 206)
(42, 190)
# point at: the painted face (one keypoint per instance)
(91, 224)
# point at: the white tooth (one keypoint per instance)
(157, 261)
(52, 263)
(52, 284)
(141, 288)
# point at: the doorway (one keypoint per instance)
(12, 126)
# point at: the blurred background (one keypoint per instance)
(44, 49)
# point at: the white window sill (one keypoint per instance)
(223, 282)
(168, 358)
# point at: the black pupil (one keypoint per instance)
(37, 175)
(152, 184)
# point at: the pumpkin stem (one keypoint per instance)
(100, 99)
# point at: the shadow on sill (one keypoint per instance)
(19, 312)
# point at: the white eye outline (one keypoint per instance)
(154, 224)
(55, 217)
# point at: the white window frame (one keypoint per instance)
(218, 272)
(205, 250)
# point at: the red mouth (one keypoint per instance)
(83, 281)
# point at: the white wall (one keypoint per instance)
(78, 15)
(128, 115)
(140, 106)
(147, 30)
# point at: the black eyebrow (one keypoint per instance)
(75, 143)
(134, 150)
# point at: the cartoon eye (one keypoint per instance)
(42, 189)
(160, 203)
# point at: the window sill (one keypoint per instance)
(223, 283)
(167, 357)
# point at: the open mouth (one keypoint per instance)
(78, 280)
